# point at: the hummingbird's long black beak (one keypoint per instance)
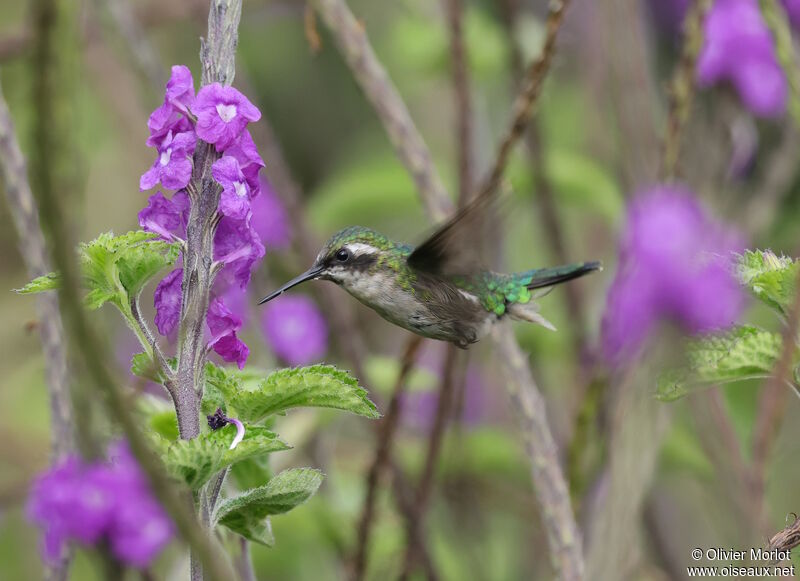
(310, 274)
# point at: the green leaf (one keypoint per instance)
(196, 461)
(246, 514)
(165, 424)
(252, 472)
(745, 352)
(116, 268)
(48, 282)
(314, 386)
(770, 278)
(142, 365)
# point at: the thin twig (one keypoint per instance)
(244, 564)
(23, 209)
(549, 483)
(404, 500)
(463, 100)
(352, 40)
(444, 404)
(387, 428)
(772, 404)
(682, 86)
(525, 101)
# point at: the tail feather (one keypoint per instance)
(545, 277)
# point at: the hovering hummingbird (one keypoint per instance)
(438, 289)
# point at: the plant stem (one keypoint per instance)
(386, 431)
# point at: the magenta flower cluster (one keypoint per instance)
(219, 116)
(89, 503)
(739, 48)
(675, 264)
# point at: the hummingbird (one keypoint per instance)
(439, 289)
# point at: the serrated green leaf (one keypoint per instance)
(196, 461)
(165, 424)
(770, 278)
(48, 282)
(246, 514)
(744, 352)
(116, 268)
(251, 473)
(314, 386)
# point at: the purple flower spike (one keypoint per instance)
(793, 11)
(173, 166)
(295, 329)
(270, 218)
(222, 115)
(739, 48)
(674, 264)
(223, 325)
(235, 198)
(167, 300)
(180, 89)
(163, 120)
(166, 217)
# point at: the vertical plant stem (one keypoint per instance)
(444, 406)
(682, 86)
(387, 428)
(23, 209)
(463, 101)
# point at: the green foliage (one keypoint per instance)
(48, 282)
(770, 278)
(142, 365)
(165, 424)
(744, 352)
(314, 386)
(247, 514)
(196, 461)
(115, 268)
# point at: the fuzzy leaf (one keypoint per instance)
(142, 365)
(770, 278)
(48, 282)
(314, 386)
(745, 352)
(247, 513)
(196, 461)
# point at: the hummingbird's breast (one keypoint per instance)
(432, 308)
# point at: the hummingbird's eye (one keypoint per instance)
(342, 255)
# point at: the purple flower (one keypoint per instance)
(270, 219)
(85, 503)
(167, 300)
(739, 48)
(674, 264)
(237, 245)
(223, 324)
(222, 114)
(245, 152)
(163, 120)
(164, 216)
(295, 329)
(180, 89)
(235, 198)
(173, 166)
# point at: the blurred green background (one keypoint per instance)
(599, 123)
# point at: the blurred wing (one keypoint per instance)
(457, 247)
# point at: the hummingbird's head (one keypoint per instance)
(347, 258)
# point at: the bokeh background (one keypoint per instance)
(665, 475)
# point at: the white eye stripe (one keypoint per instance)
(360, 248)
